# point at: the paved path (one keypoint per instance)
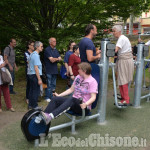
(7, 118)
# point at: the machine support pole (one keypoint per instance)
(104, 67)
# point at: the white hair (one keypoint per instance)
(118, 28)
(37, 44)
(49, 40)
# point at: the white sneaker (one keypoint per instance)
(48, 100)
(46, 117)
(38, 119)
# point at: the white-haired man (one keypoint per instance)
(51, 58)
(124, 65)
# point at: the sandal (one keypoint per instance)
(123, 103)
(12, 109)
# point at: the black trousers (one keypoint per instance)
(59, 105)
(34, 91)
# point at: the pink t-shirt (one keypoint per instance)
(84, 88)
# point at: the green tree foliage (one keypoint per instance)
(63, 19)
(123, 9)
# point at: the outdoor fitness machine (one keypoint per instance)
(30, 129)
(112, 65)
(143, 51)
(108, 50)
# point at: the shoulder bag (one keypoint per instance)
(4, 76)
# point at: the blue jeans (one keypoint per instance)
(51, 85)
(13, 79)
(34, 91)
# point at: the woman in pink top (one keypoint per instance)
(84, 87)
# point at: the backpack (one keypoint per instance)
(9, 51)
(134, 50)
(63, 72)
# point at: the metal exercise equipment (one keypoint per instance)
(112, 65)
(143, 51)
(30, 129)
(144, 84)
(108, 50)
(146, 65)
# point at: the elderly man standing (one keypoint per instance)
(51, 58)
(9, 54)
(87, 49)
(124, 65)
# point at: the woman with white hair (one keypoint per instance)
(124, 65)
(34, 73)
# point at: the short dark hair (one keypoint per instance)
(86, 67)
(11, 40)
(88, 29)
(29, 43)
(75, 47)
(70, 44)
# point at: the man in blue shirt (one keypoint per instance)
(87, 49)
(51, 57)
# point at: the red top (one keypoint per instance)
(73, 62)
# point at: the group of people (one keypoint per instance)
(51, 58)
(34, 70)
(88, 54)
(77, 60)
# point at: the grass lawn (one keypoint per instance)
(129, 122)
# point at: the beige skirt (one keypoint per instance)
(125, 68)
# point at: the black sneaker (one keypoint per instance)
(12, 92)
(29, 108)
(118, 96)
